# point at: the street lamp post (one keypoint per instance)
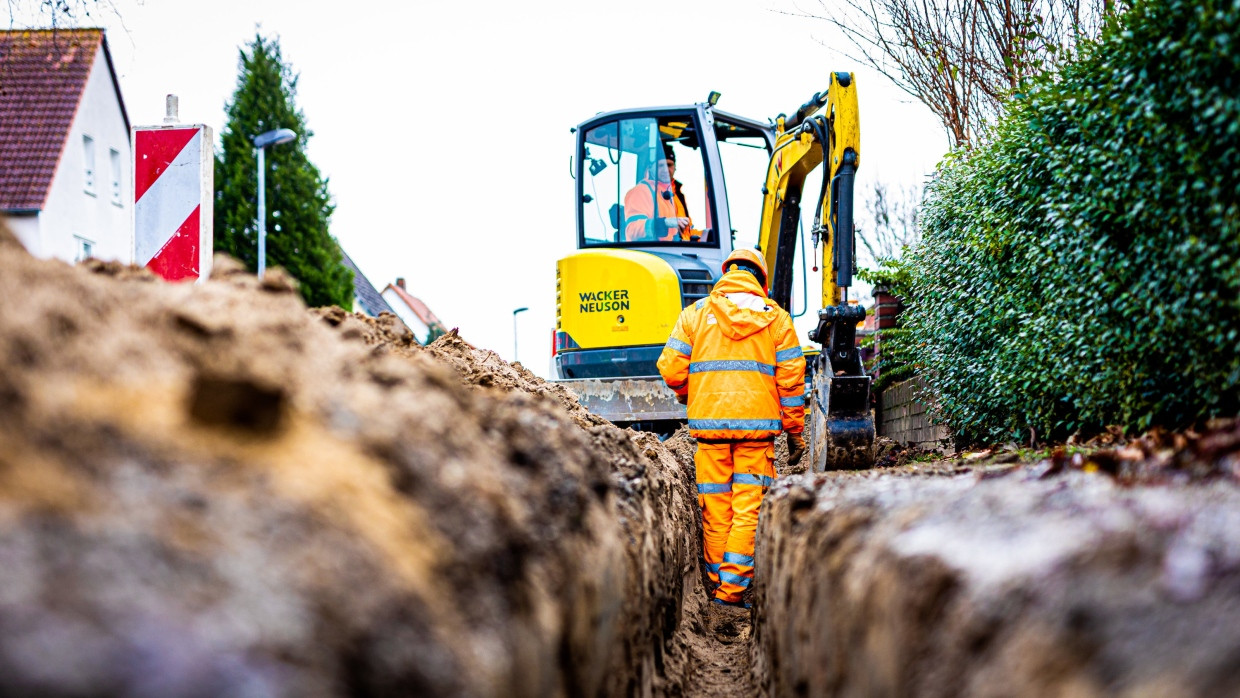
(514, 331)
(261, 141)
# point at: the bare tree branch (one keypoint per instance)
(56, 14)
(891, 222)
(963, 58)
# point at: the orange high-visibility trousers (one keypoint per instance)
(732, 478)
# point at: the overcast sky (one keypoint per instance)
(444, 127)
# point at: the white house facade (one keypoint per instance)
(85, 208)
(404, 310)
(413, 312)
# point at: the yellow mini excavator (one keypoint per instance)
(654, 224)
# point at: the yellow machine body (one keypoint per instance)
(614, 311)
(616, 298)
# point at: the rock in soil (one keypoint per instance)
(207, 490)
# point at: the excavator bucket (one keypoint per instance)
(638, 399)
(840, 423)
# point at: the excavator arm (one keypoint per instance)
(825, 131)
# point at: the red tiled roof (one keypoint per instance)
(43, 74)
(417, 306)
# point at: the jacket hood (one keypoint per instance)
(740, 320)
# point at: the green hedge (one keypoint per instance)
(892, 364)
(1083, 267)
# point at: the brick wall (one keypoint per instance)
(906, 420)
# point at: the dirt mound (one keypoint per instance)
(1107, 573)
(206, 489)
(1160, 456)
(484, 368)
(386, 331)
(890, 454)
(682, 446)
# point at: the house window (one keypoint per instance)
(84, 248)
(115, 156)
(88, 157)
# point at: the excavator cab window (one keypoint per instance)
(643, 183)
(744, 153)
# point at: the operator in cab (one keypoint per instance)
(655, 209)
(734, 359)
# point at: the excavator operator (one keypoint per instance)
(734, 359)
(655, 209)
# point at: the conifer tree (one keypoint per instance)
(299, 206)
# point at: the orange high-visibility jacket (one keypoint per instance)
(641, 212)
(735, 355)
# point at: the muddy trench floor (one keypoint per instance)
(720, 654)
(719, 640)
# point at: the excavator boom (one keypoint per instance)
(825, 131)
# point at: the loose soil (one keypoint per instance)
(1099, 571)
(209, 489)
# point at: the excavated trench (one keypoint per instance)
(208, 489)
(1110, 572)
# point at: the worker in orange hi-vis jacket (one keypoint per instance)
(734, 359)
(655, 209)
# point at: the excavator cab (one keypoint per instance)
(647, 179)
(650, 175)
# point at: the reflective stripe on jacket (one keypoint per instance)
(735, 355)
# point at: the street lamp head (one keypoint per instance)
(519, 310)
(280, 135)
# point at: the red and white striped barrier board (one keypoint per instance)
(173, 181)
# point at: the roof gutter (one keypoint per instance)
(116, 84)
